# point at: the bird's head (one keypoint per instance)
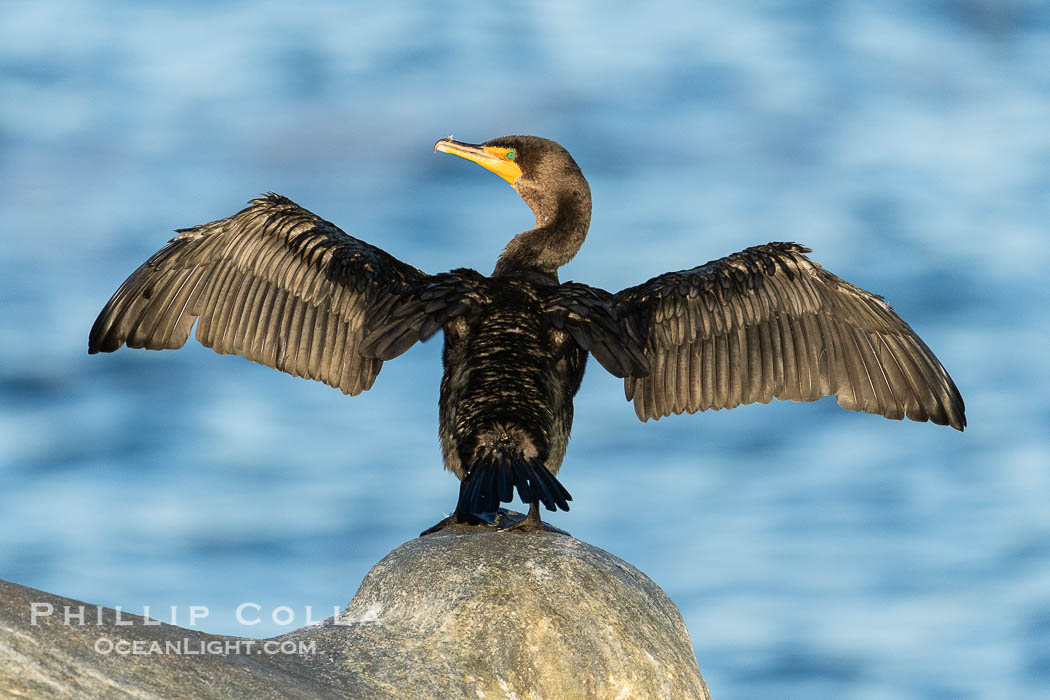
(540, 170)
(548, 179)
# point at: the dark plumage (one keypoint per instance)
(276, 284)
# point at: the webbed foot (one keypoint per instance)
(457, 518)
(532, 523)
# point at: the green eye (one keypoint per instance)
(511, 155)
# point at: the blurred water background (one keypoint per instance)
(814, 552)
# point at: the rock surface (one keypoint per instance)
(465, 612)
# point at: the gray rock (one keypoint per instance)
(465, 612)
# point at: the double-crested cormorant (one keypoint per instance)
(280, 286)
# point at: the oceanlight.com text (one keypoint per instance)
(203, 647)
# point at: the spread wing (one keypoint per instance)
(769, 323)
(273, 283)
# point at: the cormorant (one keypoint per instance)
(283, 287)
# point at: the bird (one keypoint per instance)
(278, 285)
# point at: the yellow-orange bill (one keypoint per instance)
(491, 158)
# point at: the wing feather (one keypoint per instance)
(769, 323)
(273, 283)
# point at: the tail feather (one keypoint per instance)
(492, 480)
(506, 485)
(481, 494)
(520, 477)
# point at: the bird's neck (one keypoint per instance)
(562, 221)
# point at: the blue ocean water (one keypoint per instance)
(813, 552)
